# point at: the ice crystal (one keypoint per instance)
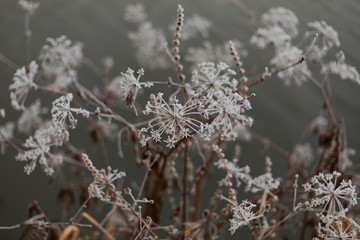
(173, 119)
(330, 193)
(23, 82)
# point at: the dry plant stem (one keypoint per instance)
(218, 225)
(271, 144)
(246, 12)
(258, 60)
(27, 36)
(184, 190)
(325, 98)
(51, 90)
(274, 72)
(95, 69)
(79, 210)
(143, 184)
(199, 183)
(29, 221)
(8, 62)
(93, 221)
(10, 143)
(72, 231)
(102, 150)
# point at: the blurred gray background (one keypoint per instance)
(281, 113)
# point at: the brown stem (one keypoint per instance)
(8, 62)
(204, 171)
(184, 192)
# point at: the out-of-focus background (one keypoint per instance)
(281, 113)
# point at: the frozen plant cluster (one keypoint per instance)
(180, 139)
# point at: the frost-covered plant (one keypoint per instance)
(23, 83)
(180, 137)
(330, 193)
(174, 119)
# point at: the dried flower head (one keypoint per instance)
(61, 110)
(135, 13)
(281, 17)
(342, 69)
(286, 57)
(29, 7)
(6, 133)
(174, 119)
(328, 34)
(23, 82)
(242, 215)
(330, 193)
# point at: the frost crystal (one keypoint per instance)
(173, 119)
(61, 110)
(23, 82)
(243, 215)
(286, 57)
(330, 193)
